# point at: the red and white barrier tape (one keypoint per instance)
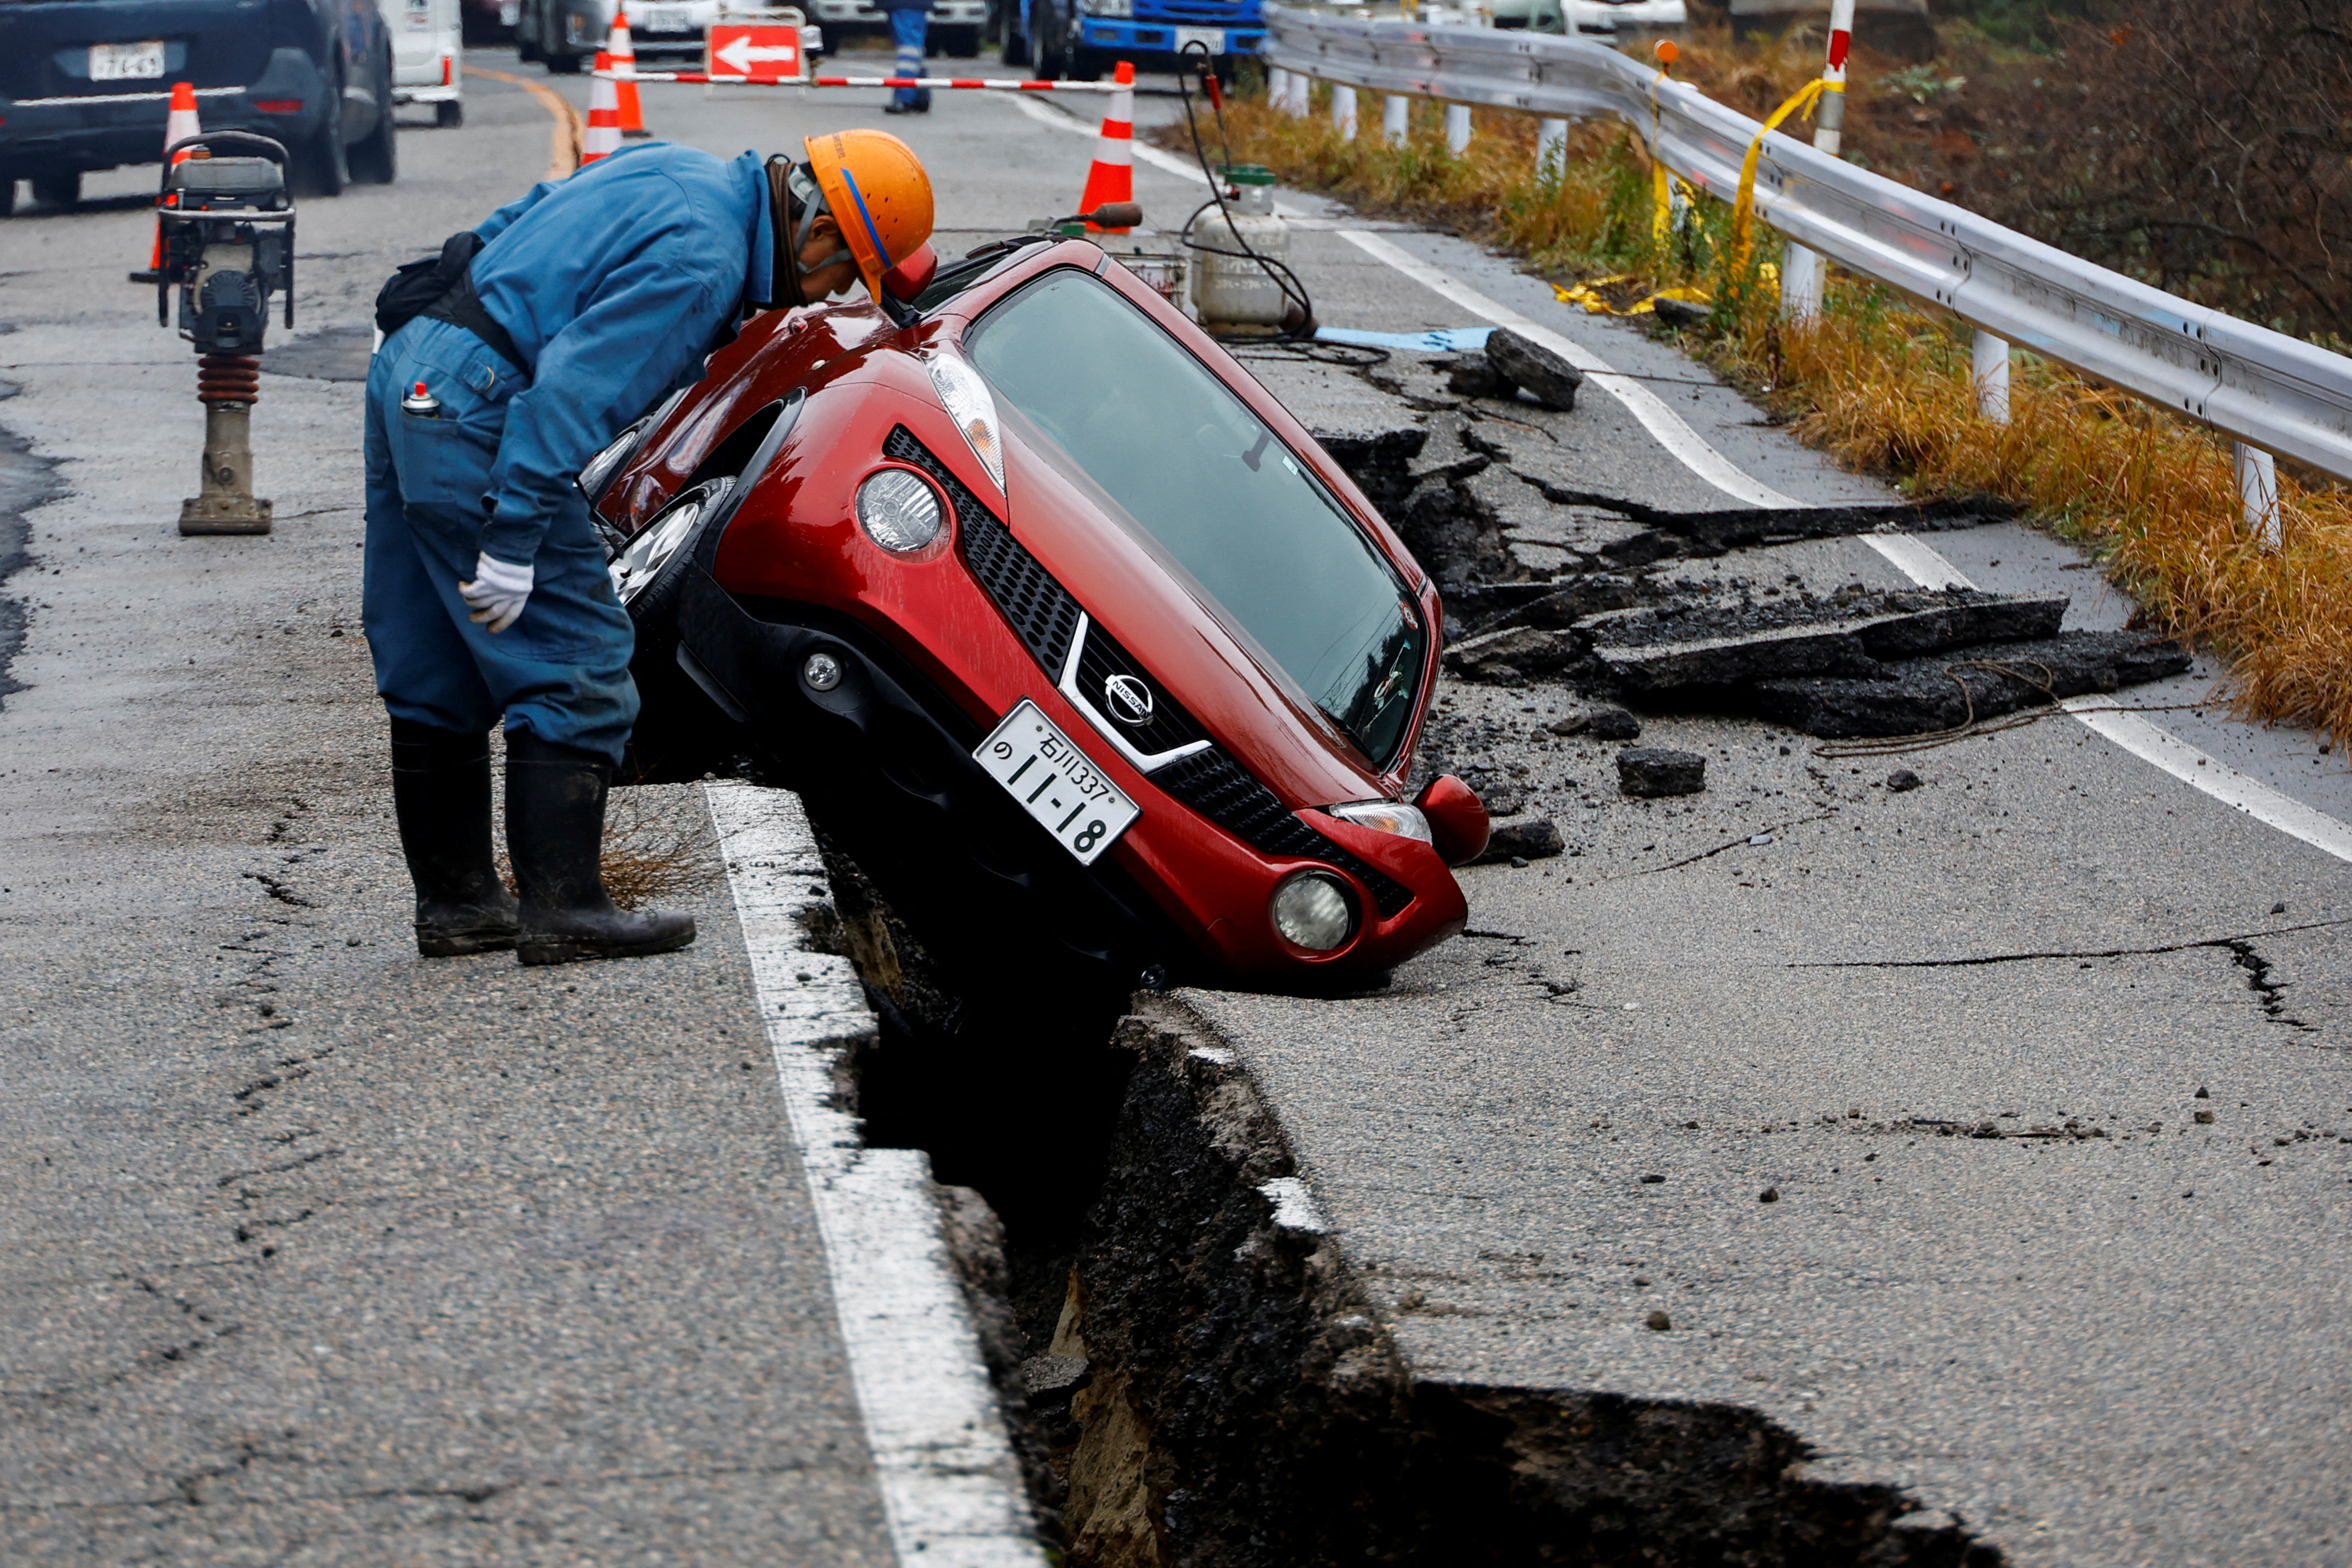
(985, 84)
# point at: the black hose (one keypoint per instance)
(1284, 277)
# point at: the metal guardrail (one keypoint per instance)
(2269, 391)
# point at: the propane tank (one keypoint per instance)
(1233, 290)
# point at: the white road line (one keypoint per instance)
(950, 1484)
(1914, 559)
(1664, 425)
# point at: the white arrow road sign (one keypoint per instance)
(743, 51)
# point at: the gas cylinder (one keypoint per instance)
(1233, 290)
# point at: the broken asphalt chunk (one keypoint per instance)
(1916, 696)
(1543, 374)
(1604, 722)
(1527, 838)
(1506, 658)
(1650, 771)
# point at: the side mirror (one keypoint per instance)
(1458, 820)
(913, 274)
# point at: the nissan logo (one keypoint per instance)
(1130, 700)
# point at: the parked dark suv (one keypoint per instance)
(86, 84)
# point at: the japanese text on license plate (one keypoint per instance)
(1056, 784)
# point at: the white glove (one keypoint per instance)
(497, 593)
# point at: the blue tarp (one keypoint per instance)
(1451, 340)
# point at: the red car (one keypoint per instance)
(1026, 582)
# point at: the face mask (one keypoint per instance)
(794, 203)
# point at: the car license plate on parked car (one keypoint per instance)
(1210, 38)
(126, 62)
(668, 19)
(1039, 767)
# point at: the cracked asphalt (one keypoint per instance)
(315, 1254)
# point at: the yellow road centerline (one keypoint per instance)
(563, 150)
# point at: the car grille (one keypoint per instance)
(1206, 13)
(1220, 789)
(1046, 617)
(1040, 609)
(1101, 659)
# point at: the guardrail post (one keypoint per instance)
(1802, 271)
(1988, 368)
(1277, 89)
(2258, 490)
(1396, 118)
(1457, 127)
(1551, 148)
(1800, 282)
(1343, 111)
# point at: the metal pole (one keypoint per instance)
(1396, 118)
(1551, 148)
(2258, 490)
(1343, 112)
(1800, 270)
(1988, 368)
(1457, 126)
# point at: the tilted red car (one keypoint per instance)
(1032, 582)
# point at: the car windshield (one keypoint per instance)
(1198, 473)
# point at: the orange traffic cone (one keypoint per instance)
(603, 115)
(180, 122)
(1111, 176)
(625, 60)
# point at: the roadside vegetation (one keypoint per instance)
(2038, 116)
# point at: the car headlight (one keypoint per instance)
(897, 510)
(1108, 7)
(1310, 909)
(966, 398)
(1387, 816)
(600, 468)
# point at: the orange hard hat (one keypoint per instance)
(878, 193)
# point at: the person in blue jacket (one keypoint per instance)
(486, 595)
(910, 22)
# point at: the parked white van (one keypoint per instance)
(426, 36)
(1599, 20)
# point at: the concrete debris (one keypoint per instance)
(1601, 721)
(1476, 378)
(1535, 369)
(1650, 771)
(1902, 781)
(1530, 838)
(1706, 533)
(1679, 312)
(1659, 1322)
(1914, 696)
(1054, 1379)
(1508, 658)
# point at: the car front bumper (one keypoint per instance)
(1121, 36)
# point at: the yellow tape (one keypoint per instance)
(1587, 295)
(1743, 209)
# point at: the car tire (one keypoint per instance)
(1016, 48)
(564, 64)
(58, 188)
(1088, 65)
(322, 164)
(7, 195)
(449, 115)
(958, 43)
(375, 159)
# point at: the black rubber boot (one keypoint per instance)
(441, 793)
(555, 831)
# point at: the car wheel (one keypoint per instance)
(564, 64)
(1016, 48)
(1088, 64)
(960, 43)
(322, 164)
(650, 572)
(61, 188)
(375, 160)
(7, 195)
(449, 115)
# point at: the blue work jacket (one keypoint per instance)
(615, 284)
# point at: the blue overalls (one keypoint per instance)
(615, 284)
(909, 31)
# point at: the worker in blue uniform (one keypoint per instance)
(486, 595)
(910, 22)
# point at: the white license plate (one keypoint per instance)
(1054, 780)
(667, 19)
(126, 62)
(1210, 38)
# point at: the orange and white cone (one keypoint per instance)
(603, 115)
(180, 123)
(625, 60)
(1111, 176)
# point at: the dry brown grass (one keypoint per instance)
(655, 850)
(1884, 384)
